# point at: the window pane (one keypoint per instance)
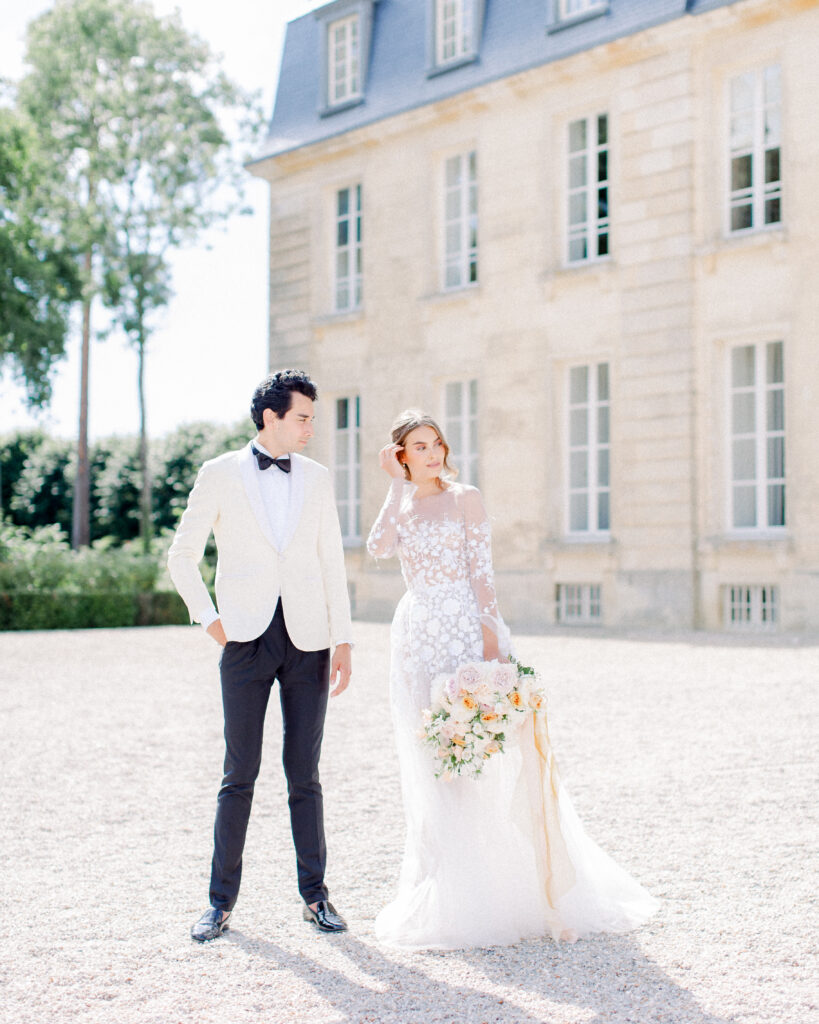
(603, 467)
(774, 370)
(578, 427)
(776, 458)
(603, 424)
(603, 510)
(453, 239)
(344, 519)
(603, 165)
(342, 411)
(742, 217)
(775, 419)
(603, 245)
(578, 384)
(773, 211)
(453, 172)
(577, 208)
(343, 202)
(744, 413)
(744, 460)
(342, 264)
(742, 93)
(577, 249)
(578, 470)
(343, 235)
(578, 512)
(771, 166)
(577, 171)
(742, 366)
(602, 203)
(454, 406)
(577, 136)
(453, 277)
(744, 506)
(602, 382)
(776, 505)
(742, 172)
(602, 129)
(772, 84)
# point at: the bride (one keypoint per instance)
(504, 857)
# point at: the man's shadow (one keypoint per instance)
(608, 975)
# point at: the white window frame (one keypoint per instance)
(760, 136)
(347, 468)
(454, 31)
(347, 288)
(764, 402)
(598, 416)
(751, 607)
(591, 192)
(578, 603)
(460, 221)
(461, 428)
(343, 88)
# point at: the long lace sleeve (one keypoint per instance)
(383, 538)
(479, 553)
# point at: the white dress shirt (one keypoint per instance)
(274, 485)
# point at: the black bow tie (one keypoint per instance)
(265, 461)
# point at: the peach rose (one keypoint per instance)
(535, 701)
(492, 748)
(515, 699)
(469, 702)
(459, 741)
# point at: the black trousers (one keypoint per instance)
(248, 671)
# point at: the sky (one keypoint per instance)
(210, 347)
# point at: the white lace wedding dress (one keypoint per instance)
(492, 860)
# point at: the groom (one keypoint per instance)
(282, 595)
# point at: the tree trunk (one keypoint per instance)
(145, 502)
(81, 520)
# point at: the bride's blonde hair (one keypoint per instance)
(403, 426)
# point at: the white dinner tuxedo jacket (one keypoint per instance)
(308, 572)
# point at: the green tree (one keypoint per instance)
(42, 492)
(38, 276)
(133, 112)
(115, 488)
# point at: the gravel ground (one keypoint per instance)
(692, 760)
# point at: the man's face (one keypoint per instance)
(295, 428)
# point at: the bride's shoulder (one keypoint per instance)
(464, 492)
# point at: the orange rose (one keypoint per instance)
(470, 702)
(459, 741)
(489, 716)
(536, 701)
(515, 699)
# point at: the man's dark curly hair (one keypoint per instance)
(276, 392)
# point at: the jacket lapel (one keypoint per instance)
(250, 479)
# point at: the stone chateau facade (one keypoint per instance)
(583, 235)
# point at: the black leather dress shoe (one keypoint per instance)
(210, 925)
(325, 917)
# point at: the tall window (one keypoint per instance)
(574, 8)
(757, 436)
(461, 428)
(343, 54)
(588, 188)
(453, 29)
(347, 466)
(348, 249)
(461, 220)
(756, 138)
(589, 489)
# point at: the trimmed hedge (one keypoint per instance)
(30, 610)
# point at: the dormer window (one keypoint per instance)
(346, 30)
(453, 30)
(344, 55)
(566, 13)
(576, 8)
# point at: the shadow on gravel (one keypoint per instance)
(609, 977)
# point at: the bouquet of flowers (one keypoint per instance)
(474, 712)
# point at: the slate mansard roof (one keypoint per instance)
(514, 35)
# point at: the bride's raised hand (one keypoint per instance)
(388, 460)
